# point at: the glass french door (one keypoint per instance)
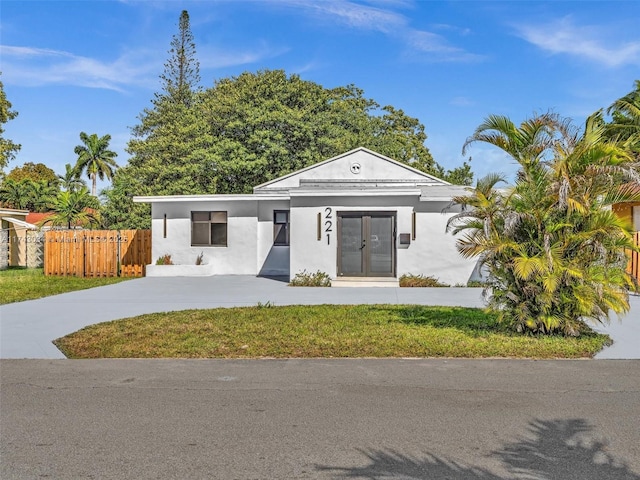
(366, 244)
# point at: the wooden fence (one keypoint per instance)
(97, 253)
(634, 260)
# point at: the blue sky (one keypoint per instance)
(93, 66)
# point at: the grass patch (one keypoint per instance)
(19, 284)
(319, 331)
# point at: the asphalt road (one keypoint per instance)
(320, 419)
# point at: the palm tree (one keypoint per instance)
(74, 208)
(70, 180)
(554, 250)
(625, 122)
(15, 194)
(41, 194)
(95, 158)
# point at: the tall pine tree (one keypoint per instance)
(182, 71)
(168, 147)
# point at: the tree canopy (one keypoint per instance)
(37, 172)
(8, 149)
(255, 127)
(249, 129)
(625, 120)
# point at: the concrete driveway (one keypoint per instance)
(28, 328)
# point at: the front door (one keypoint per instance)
(366, 244)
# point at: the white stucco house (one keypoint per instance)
(359, 216)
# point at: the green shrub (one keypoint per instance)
(164, 260)
(410, 280)
(308, 279)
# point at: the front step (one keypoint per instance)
(364, 282)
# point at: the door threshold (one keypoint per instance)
(365, 282)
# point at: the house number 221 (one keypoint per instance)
(328, 223)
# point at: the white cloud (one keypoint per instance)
(348, 13)
(382, 18)
(437, 47)
(29, 66)
(212, 57)
(564, 37)
(462, 102)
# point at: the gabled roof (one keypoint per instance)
(359, 166)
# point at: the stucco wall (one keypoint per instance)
(249, 249)
(271, 260)
(432, 253)
(4, 249)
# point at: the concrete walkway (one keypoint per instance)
(28, 328)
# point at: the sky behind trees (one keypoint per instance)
(93, 66)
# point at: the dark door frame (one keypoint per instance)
(366, 232)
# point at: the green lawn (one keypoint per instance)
(320, 331)
(18, 284)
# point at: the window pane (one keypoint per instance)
(219, 234)
(381, 245)
(351, 259)
(218, 217)
(200, 234)
(200, 216)
(280, 235)
(282, 217)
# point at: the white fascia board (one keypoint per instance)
(207, 198)
(436, 199)
(444, 193)
(378, 192)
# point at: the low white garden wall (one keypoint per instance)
(180, 270)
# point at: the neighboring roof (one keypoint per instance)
(37, 217)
